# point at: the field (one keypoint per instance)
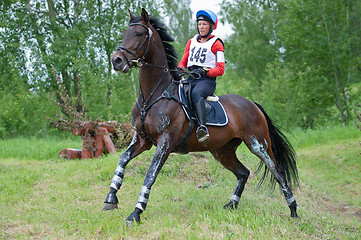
(43, 197)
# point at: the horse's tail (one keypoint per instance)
(283, 152)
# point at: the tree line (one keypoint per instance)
(299, 59)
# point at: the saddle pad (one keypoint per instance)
(217, 116)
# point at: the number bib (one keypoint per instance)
(200, 54)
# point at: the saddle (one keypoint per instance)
(216, 115)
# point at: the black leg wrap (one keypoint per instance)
(293, 208)
(134, 217)
(231, 205)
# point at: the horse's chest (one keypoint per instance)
(151, 123)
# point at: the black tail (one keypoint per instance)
(284, 153)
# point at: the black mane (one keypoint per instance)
(166, 40)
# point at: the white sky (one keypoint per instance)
(213, 5)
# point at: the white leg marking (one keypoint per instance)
(290, 200)
(261, 152)
(117, 180)
(120, 169)
(139, 206)
(145, 190)
(235, 198)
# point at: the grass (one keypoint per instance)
(37, 148)
(43, 197)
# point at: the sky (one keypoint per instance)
(214, 5)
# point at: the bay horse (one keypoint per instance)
(159, 120)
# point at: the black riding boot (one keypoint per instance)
(202, 131)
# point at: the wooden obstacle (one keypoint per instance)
(96, 137)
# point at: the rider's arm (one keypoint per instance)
(218, 50)
(184, 61)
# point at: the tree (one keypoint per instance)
(181, 23)
(75, 37)
(317, 36)
(302, 55)
(254, 42)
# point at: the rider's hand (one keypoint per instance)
(199, 72)
(178, 74)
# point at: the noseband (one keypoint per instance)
(134, 54)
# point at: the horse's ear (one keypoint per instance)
(145, 16)
(130, 15)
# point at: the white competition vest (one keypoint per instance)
(200, 54)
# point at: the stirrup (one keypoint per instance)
(202, 134)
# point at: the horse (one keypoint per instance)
(159, 120)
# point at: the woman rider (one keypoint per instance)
(204, 57)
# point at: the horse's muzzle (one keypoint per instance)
(119, 64)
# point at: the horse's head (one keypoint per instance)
(136, 43)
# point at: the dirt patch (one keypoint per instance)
(358, 213)
(16, 229)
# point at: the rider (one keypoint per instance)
(204, 57)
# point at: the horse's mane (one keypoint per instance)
(166, 40)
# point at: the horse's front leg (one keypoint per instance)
(161, 154)
(137, 146)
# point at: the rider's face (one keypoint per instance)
(203, 27)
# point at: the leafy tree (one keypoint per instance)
(298, 57)
(317, 37)
(181, 22)
(72, 37)
(254, 42)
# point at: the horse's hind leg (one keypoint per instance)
(263, 150)
(226, 155)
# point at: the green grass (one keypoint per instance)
(37, 148)
(43, 197)
(305, 138)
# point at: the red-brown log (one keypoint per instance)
(103, 133)
(86, 127)
(70, 153)
(109, 144)
(99, 146)
(88, 147)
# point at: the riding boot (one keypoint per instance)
(202, 131)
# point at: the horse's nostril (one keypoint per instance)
(118, 60)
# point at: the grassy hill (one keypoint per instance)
(43, 197)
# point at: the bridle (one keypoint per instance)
(141, 60)
(145, 104)
(134, 54)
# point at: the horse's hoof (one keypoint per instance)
(109, 206)
(294, 214)
(131, 219)
(293, 208)
(129, 223)
(134, 217)
(111, 198)
(231, 205)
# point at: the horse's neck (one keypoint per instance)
(153, 79)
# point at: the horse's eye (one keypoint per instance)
(139, 34)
